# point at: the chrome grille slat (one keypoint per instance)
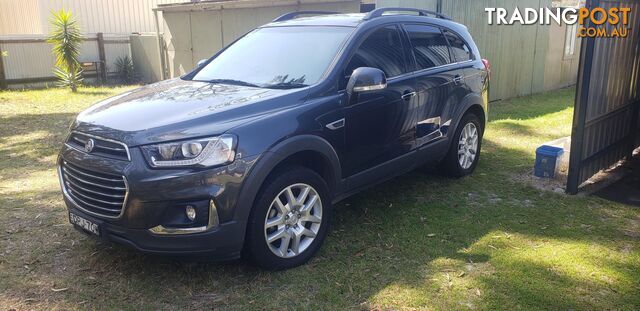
(97, 193)
(102, 146)
(110, 148)
(76, 185)
(76, 192)
(68, 166)
(113, 210)
(89, 182)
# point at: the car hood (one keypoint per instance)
(179, 109)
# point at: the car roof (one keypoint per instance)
(356, 19)
(350, 20)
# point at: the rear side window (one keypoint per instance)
(383, 50)
(459, 49)
(429, 46)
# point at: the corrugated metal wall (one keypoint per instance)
(27, 22)
(518, 53)
(605, 125)
(197, 31)
(107, 16)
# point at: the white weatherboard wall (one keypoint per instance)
(197, 31)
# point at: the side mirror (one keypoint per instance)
(366, 79)
(201, 63)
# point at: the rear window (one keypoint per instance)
(429, 46)
(460, 51)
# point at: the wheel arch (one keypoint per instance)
(310, 151)
(471, 103)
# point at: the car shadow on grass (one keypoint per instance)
(417, 240)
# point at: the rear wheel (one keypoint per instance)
(290, 219)
(464, 152)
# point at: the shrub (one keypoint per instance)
(66, 38)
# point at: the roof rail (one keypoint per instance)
(379, 12)
(293, 15)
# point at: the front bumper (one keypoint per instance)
(221, 243)
(152, 198)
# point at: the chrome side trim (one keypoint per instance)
(161, 230)
(76, 205)
(435, 120)
(126, 148)
(213, 223)
(336, 124)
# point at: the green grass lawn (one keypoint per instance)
(489, 241)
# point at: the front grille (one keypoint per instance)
(102, 147)
(97, 193)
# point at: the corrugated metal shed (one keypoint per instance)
(194, 31)
(607, 107)
(525, 59)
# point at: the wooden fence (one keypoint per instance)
(27, 59)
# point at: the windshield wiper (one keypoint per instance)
(285, 85)
(233, 82)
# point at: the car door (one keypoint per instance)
(434, 78)
(463, 71)
(380, 124)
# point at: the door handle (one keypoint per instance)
(457, 79)
(407, 95)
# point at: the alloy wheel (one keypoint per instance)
(468, 145)
(293, 220)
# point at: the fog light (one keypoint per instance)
(191, 212)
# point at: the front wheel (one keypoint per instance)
(464, 152)
(290, 219)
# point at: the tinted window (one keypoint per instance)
(429, 46)
(382, 50)
(278, 56)
(459, 49)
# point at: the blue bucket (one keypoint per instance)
(547, 159)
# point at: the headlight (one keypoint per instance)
(198, 152)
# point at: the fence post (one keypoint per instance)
(3, 78)
(103, 58)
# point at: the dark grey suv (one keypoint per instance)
(246, 154)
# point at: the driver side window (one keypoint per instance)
(383, 50)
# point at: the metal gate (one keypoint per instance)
(607, 106)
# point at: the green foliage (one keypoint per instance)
(66, 39)
(125, 68)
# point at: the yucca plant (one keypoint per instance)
(66, 38)
(124, 65)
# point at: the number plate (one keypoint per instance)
(85, 224)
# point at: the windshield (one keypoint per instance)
(284, 57)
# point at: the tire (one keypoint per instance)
(452, 164)
(292, 230)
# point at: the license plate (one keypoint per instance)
(85, 224)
